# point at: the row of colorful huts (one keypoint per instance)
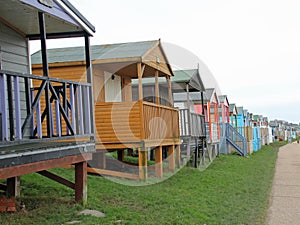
(74, 106)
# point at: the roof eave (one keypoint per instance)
(75, 14)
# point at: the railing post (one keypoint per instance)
(87, 115)
(39, 120)
(17, 108)
(58, 118)
(72, 103)
(79, 99)
(4, 107)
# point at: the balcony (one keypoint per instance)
(48, 121)
(135, 124)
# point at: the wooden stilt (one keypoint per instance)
(171, 158)
(99, 160)
(121, 155)
(143, 173)
(177, 158)
(13, 187)
(158, 162)
(81, 182)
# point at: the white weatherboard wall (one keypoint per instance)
(113, 88)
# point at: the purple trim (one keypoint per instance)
(51, 118)
(17, 108)
(88, 109)
(39, 120)
(58, 118)
(32, 119)
(4, 107)
(72, 103)
(80, 108)
(56, 11)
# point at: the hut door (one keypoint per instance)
(113, 90)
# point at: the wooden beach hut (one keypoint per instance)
(24, 148)
(123, 123)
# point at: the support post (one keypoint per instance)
(177, 156)
(143, 173)
(120, 155)
(45, 70)
(196, 153)
(81, 182)
(140, 75)
(158, 162)
(90, 81)
(169, 90)
(171, 158)
(13, 187)
(157, 100)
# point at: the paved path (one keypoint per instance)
(285, 196)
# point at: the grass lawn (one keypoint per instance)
(233, 190)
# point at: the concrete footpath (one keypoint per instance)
(285, 196)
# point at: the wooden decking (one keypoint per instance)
(17, 154)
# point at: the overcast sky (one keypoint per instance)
(251, 47)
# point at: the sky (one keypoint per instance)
(252, 48)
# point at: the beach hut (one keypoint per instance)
(256, 133)
(192, 124)
(124, 124)
(233, 115)
(240, 119)
(24, 147)
(224, 111)
(248, 131)
(211, 112)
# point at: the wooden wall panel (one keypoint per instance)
(117, 122)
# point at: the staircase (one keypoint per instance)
(235, 139)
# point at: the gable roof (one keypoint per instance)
(223, 99)
(240, 110)
(232, 108)
(61, 18)
(191, 77)
(98, 52)
(123, 54)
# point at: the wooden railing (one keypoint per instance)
(37, 107)
(125, 122)
(160, 122)
(191, 124)
(213, 132)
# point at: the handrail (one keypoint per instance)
(159, 106)
(41, 78)
(234, 137)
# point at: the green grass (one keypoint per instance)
(233, 190)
